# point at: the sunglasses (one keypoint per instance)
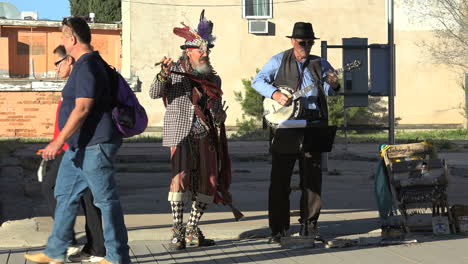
(57, 63)
(200, 50)
(304, 43)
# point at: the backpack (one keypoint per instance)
(128, 115)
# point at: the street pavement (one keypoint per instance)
(349, 210)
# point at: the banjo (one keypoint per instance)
(275, 113)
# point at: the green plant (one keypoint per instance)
(247, 125)
(251, 103)
(250, 100)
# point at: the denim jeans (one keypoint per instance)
(91, 167)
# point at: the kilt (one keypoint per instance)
(194, 169)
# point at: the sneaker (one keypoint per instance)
(195, 237)
(84, 257)
(178, 238)
(72, 250)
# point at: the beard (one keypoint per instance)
(204, 67)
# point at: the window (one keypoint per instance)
(257, 8)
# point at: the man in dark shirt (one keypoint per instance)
(86, 126)
(93, 250)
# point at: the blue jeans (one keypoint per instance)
(91, 167)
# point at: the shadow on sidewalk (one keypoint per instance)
(247, 251)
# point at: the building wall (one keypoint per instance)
(28, 114)
(4, 61)
(38, 43)
(426, 93)
(28, 106)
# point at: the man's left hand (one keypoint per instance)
(50, 152)
(332, 79)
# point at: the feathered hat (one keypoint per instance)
(201, 37)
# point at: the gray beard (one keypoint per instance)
(204, 69)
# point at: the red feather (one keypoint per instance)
(185, 33)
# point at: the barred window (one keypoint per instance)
(257, 8)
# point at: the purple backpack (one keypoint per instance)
(128, 115)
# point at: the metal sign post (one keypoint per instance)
(391, 95)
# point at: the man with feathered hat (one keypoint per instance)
(191, 91)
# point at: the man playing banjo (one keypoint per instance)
(297, 69)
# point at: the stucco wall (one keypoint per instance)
(426, 93)
(38, 43)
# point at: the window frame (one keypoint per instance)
(257, 17)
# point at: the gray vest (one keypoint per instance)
(288, 75)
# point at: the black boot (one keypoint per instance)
(178, 238)
(276, 237)
(310, 230)
(195, 237)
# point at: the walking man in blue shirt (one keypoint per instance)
(86, 125)
(297, 69)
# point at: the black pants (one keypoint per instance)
(94, 233)
(311, 186)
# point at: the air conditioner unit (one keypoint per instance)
(258, 26)
(29, 15)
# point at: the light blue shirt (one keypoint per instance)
(265, 77)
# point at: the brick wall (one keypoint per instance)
(28, 114)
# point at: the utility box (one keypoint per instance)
(379, 69)
(356, 82)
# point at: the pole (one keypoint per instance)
(324, 160)
(391, 94)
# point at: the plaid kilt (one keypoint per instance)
(194, 168)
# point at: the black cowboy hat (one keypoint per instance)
(303, 30)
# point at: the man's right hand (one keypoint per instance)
(166, 64)
(281, 98)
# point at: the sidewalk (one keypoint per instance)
(349, 211)
(451, 251)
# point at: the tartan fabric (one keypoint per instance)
(183, 163)
(179, 116)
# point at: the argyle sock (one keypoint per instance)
(198, 208)
(177, 212)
